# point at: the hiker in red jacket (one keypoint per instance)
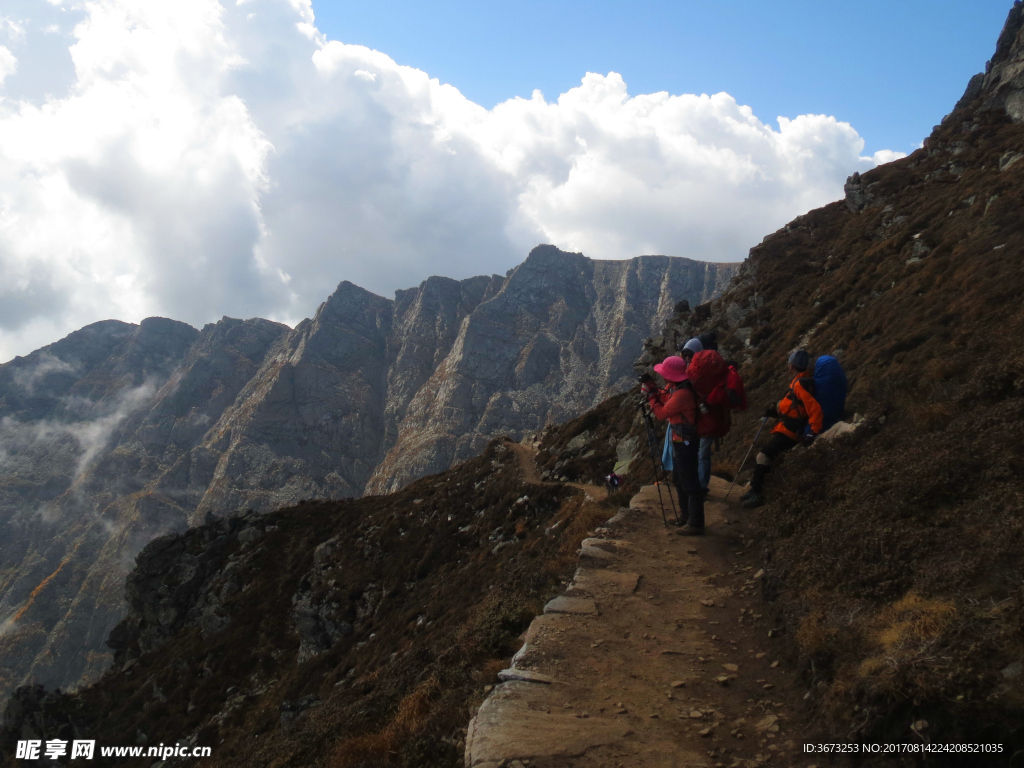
(678, 406)
(719, 391)
(795, 411)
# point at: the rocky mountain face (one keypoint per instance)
(559, 337)
(118, 433)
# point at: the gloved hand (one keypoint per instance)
(648, 389)
(771, 412)
(809, 439)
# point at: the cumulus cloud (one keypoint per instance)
(200, 158)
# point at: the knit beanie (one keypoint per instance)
(800, 359)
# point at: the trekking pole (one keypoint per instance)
(763, 422)
(668, 482)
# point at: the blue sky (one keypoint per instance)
(891, 69)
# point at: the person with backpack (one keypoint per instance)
(690, 348)
(727, 396)
(709, 340)
(612, 482)
(719, 390)
(678, 405)
(797, 411)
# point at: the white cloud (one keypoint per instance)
(200, 158)
(8, 64)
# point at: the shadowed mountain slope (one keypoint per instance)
(339, 633)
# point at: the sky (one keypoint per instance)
(200, 158)
(891, 69)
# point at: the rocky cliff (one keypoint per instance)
(120, 433)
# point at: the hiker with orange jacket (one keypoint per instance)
(678, 406)
(795, 411)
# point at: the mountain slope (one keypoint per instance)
(893, 556)
(336, 633)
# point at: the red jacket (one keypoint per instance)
(716, 419)
(677, 406)
(799, 408)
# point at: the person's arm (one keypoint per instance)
(814, 413)
(666, 407)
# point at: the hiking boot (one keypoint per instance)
(753, 501)
(747, 495)
(686, 530)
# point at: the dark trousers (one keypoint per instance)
(775, 446)
(687, 481)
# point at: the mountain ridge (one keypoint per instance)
(118, 433)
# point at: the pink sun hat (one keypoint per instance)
(672, 369)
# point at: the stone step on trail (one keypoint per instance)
(580, 606)
(594, 581)
(516, 722)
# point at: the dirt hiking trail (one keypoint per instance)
(526, 455)
(654, 656)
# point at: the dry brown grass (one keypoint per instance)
(409, 720)
(913, 621)
(931, 416)
(815, 633)
(906, 639)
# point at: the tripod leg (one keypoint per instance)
(654, 462)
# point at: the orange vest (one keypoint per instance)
(799, 408)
